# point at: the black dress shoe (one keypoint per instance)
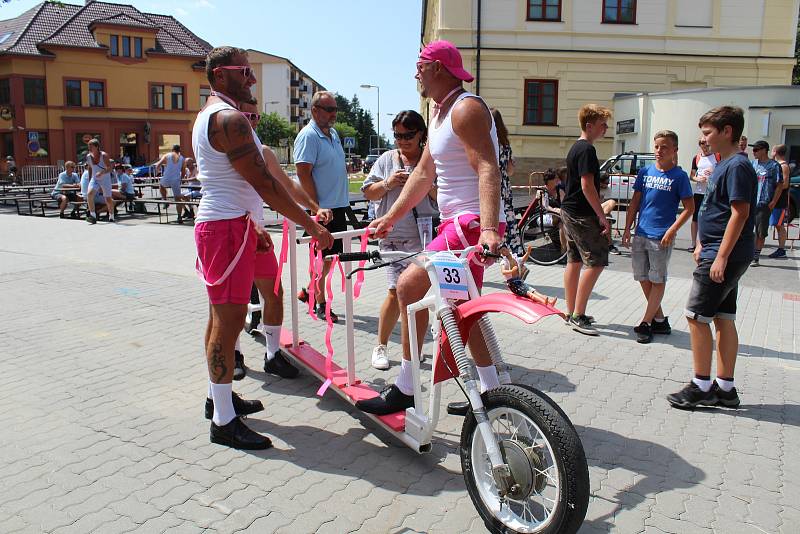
(389, 401)
(280, 365)
(239, 369)
(319, 309)
(236, 434)
(240, 406)
(458, 408)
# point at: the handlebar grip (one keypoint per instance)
(355, 256)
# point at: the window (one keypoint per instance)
(541, 102)
(72, 93)
(34, 91)
(549, 10)
(166, 142)
(97, 94)
(115, 45)
(5, 37)
(5, 91)
(82, 145)
(126, 46)
(619, 11)
(177, 97)
(205, 92)
(137, 47)
(157, 96)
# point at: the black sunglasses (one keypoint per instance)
(329, 109)
(405, 136)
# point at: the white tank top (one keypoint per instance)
(96, 167)
(457, 181)
(704, 164)
(226, 194)
(172, 170)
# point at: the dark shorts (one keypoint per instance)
(585, 241)
(761, 220)
(72, 196)
(708, 299)
(698, 201)
(337, 224)
(130, 196)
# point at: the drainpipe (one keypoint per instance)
(478, 54)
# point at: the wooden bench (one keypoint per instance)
(163, 216)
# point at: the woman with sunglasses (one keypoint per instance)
(383, 185)
(506, 165)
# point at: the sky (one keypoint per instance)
(341, 44)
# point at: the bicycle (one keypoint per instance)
(541, 230)
(523, 462)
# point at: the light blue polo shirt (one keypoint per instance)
(327, 157)
(66, 179)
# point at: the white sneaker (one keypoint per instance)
(379, 358)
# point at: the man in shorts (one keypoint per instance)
(468, 181)
(236, 182)
(780, 210)
(99, 166)
(321, 168)
(586, 226)
(656, 193)
(724, 251)
(174, 168)
(770, 185)
(67, 187)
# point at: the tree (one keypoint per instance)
(353, 115)
(272, 128)
(345, 130)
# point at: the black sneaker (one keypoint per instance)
(389, 401)
(661, 327)
(240, 406)
(581, 324)
(612, 249)
(692, 396)
(302, 295)
(319, 309)
(280, 365)
(729, 399)
(236, 434)
(239, 369)
(645, 333)
(90, 219)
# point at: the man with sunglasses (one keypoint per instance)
(462, 154)
(235, 180)
(769, 190)
(321, 168)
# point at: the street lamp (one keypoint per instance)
(368, 86)
(269, 103)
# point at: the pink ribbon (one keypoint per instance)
(283, 255)
(360, 274)
(329, 329)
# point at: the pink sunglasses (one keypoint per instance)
(247, 71)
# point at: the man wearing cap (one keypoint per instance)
(462, 154)
(769, 176)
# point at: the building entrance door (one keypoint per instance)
(128, 148)
(793, 144)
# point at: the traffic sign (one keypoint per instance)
(349, 142)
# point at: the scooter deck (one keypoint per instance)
(314, 362)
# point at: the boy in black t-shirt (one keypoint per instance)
(724, 251)
(585, 223)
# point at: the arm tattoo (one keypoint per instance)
(216, 364)
(242, 151)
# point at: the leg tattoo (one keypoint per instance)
(216, 363)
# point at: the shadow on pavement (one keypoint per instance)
(782, 414)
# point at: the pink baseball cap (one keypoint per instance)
(448, 55)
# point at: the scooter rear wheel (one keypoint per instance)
(551, 478)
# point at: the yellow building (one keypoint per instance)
(69, 73)
(538, 61)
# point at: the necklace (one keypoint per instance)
(225, 98)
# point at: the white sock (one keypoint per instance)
(405, 382)
(704, 385)
(223, 403)
(725, 385)
(208, 395)
(488, 376)
(272, 334)
(238, 345)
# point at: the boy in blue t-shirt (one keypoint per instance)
(724, 251)
(658, 190)
(769, 175)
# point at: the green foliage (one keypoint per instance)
(272, 128)
(351, 113)
(345, 130)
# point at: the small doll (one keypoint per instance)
(511, 270)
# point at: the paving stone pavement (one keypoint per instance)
(102, 408)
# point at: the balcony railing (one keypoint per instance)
(294, 83)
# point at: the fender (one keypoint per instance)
(469, 312)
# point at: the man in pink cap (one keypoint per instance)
(462, 155)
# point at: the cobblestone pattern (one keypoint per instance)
(103, 426)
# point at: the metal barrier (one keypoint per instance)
(535, 179)
(44, 174)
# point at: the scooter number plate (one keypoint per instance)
(452, 279)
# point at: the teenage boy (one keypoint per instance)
(779, 210)
(724, 251)
(769, 190)
(586, 226)
(657, 191)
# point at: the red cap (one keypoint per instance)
(448, 55)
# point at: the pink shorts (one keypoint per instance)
(217, 244)
(266, 265)
(447, 238)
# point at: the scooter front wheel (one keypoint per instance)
(253, 318)
(550, 490)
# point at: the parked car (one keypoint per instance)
(620, 171)
(369, 162)
(144, 171)
(794, 191)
